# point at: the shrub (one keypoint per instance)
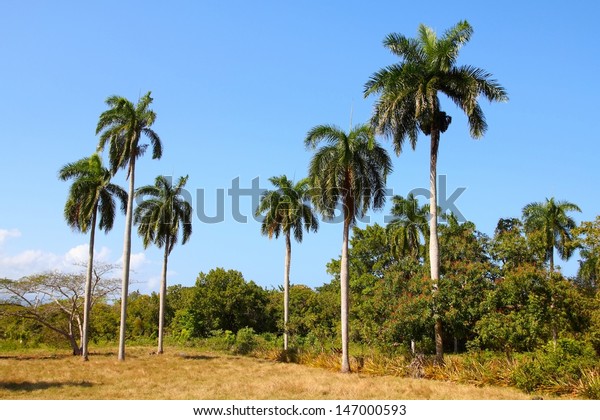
(245, 341)
(555, 368)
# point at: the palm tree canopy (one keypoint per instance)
(552, 221)
(409, 101)
(286, 209)
(163, 212)
(350, 169)
(410, 224)
(91, 190)
(122, 126)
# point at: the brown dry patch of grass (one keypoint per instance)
(191, 374)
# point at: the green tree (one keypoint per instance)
(285, 210)
(589, 265)
(159, 219)
(122, 127)
(223, 300)
(91, 193)
(409, 102)
(351, 170)
(552, 222)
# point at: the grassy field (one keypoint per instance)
(192, 374)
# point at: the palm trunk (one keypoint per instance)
(163, 298)
(345, 292)
(87, 300)
(434, 251)
(286, 289)
(126, 259)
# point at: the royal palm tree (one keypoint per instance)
(409, 103)
(91, 194)
(159, 219)
(285, 211)
(551, 220)
(122, 127)
(409, 225)
(350, 170)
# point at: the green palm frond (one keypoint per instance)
(164, 214)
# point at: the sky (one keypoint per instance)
(236, 87)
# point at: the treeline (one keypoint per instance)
(495, 293)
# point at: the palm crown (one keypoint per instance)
(91, 191)
(409, 100)
(160, 217)
(351, 168)
(286, 210)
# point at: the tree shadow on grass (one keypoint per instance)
(37, 357)
(35, 386)
(197, 357)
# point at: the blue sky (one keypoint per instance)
(237, 85)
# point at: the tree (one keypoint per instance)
(551, 221)
(54, 300)
(589, 265)
(351, 170)
(223, 300)
(409, 103)
(409, 225)
(285, 210)
(121, 127)
(159, 220)
(91, 193)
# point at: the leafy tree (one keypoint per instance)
(122, 127)
(91, 193)
(223, 300)
(351, 170)
(285, 210)
(409, 103)
(511, 248)
(551, 220)
(588, 274)
(55, 299)
(467, 276)
(159, 220)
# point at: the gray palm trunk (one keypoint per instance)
(434, 250)
(126, 259)
(87, 300)
(345, 294)
(162, 298)
(286, 289)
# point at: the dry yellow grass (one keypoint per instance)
(190, 374)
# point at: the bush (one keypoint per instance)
(245, 341)
(555, 368)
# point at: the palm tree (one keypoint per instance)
(409, 225)
(550, 219)
(159, 220)
(91, 193)
(409, 103)
(285, 210)
(351, 170)
(122, 127)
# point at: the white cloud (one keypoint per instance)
(5, 234)
(35, 261)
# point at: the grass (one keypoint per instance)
(183, 373)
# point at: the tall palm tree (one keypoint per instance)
(350, 169)
(121, 127)
(285, 210)
(159, 220)
(555, 225)
(409, 225)
(409, 103)
(91, 193)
